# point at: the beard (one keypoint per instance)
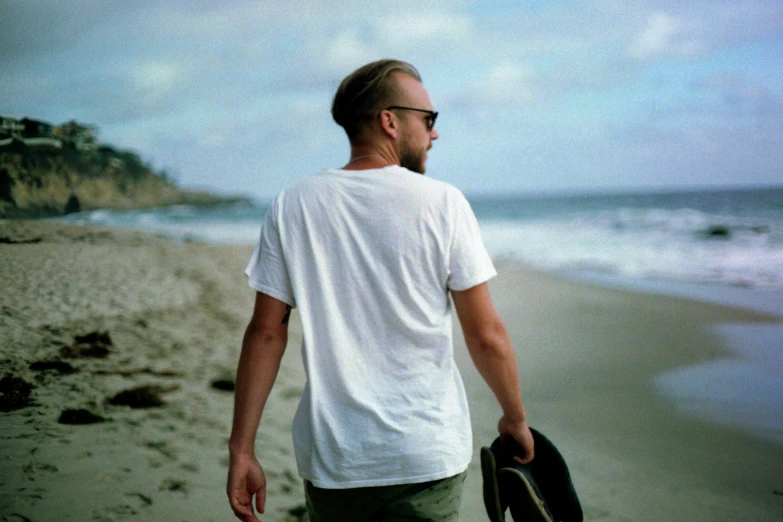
(411, 157)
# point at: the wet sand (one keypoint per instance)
(175, 315)
(588, 359)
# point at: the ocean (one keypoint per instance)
(725, 237)
(722, 245)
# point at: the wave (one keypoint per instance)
(225, 224)
(686, 245)
(730, 238)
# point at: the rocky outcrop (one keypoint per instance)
(40, 180)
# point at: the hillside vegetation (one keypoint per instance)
(50, 170)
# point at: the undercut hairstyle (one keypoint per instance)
(366, 91)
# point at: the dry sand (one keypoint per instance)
(175, 314)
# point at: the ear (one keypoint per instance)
(389, 124)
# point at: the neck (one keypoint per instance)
(367, 159)
(359, 158)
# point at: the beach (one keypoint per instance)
(87, 313)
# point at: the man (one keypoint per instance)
(369, 254)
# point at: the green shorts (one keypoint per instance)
(434, 501)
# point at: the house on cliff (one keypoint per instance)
(36, 128)
(10, 126)
(27, 132)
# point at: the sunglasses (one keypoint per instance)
(430, 119)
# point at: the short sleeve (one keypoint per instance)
(469, 261)
(267, 271)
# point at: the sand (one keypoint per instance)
(175, 314)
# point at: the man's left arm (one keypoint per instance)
(262, 350)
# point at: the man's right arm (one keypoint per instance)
(262, 350)
(493, 354)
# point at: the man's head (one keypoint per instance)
(386, 101)
(366, 91)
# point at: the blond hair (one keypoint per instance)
(366, 91)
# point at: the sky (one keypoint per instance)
(233, 96)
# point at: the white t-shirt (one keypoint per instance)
(368, 257)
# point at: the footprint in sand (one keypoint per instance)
(174, 485)
(292, 393)
(36, 469)
(136, 502)
(295, 514)
(595, 513)
(143, 499)
(16, 517)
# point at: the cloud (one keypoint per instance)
(726, 129)
(247, 84)
(664, 36)
(718, 103)
(686, 30)
(732, 98)
(412, 29)
(29, 28)
(505, 85)
(155, 79)
(348, 49)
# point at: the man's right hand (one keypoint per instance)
(517, 437)
(246, 479)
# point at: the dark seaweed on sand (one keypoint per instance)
(94, 344)
(94, 338)
(14, 393)
(79, 416)
(141, 397)
(223, 385)
(55, 365)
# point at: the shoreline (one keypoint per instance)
(588, 357)
(741, 389)
(758, 299)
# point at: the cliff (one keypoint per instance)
(49, 171)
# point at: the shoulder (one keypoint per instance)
(308, 185)
(435, 190)
(393, 182)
